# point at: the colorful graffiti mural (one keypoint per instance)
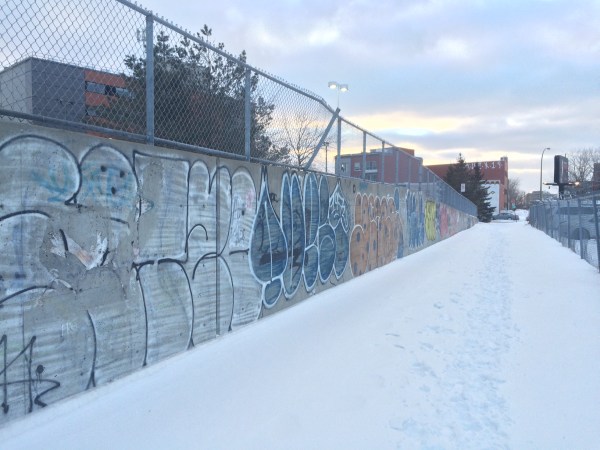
(415, 218)
(116, 258)
(377, 233)
(431, 220)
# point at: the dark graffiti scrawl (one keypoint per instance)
(327, 242)
(308, 240)
(339, 218)
(293, 227)
(268, 248)
(115, 258)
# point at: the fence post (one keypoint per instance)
(339, 147)
(556, 229)
(543, 212)
(364, 158)
(582, 248)
(420, 172)
(382, 179)
(397, 166)
(150, 79)
(322, 140)
(597, 225)
(247, 114)
(409, 169)
(569, 226)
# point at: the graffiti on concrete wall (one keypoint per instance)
(112, 259)
(443, 221)
(110, 264)
(415, 218)
(306, 240)
(431, 220)
(377, 233)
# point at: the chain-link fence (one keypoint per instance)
(112, 68)
(573, 222)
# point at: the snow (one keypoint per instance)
(488, 340)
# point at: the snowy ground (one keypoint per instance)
(488, 340)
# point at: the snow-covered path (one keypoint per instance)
(490, 339)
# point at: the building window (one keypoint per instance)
(356, 166)
(97, 88)
(110, 90)
(122, 92)
(106, 89)
(343, 168)
(371, 165)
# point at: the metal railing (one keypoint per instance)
(573, 222)
(113, 68)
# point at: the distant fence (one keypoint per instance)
(112, 68)
(573, 222)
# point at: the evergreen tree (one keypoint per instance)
(458, 174)
(475, 190)
(478, 193)
(199, 99)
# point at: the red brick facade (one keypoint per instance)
(494, 172)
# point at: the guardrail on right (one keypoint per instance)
(575, 223)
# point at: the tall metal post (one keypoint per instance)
(382, 179)
(409, 169)
(339, 146)
(364, 158)
(420, 171)
(247, 114)
(541, 164)
(150, 79)
(595, 201)
(582, 248)
(397, 165)
(322, 140)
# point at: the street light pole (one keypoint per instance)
(541, 163)
(339, 88)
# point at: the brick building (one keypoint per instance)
(390, 165)
(496, 175)
(58, 90)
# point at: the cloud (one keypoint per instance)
(485, 77)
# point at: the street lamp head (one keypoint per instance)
(339, 88)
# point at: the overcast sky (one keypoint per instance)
(483, 78)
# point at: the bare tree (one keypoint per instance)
(298, 136)
(581, 164)
(514, 193)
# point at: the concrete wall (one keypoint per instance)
(116, 255)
